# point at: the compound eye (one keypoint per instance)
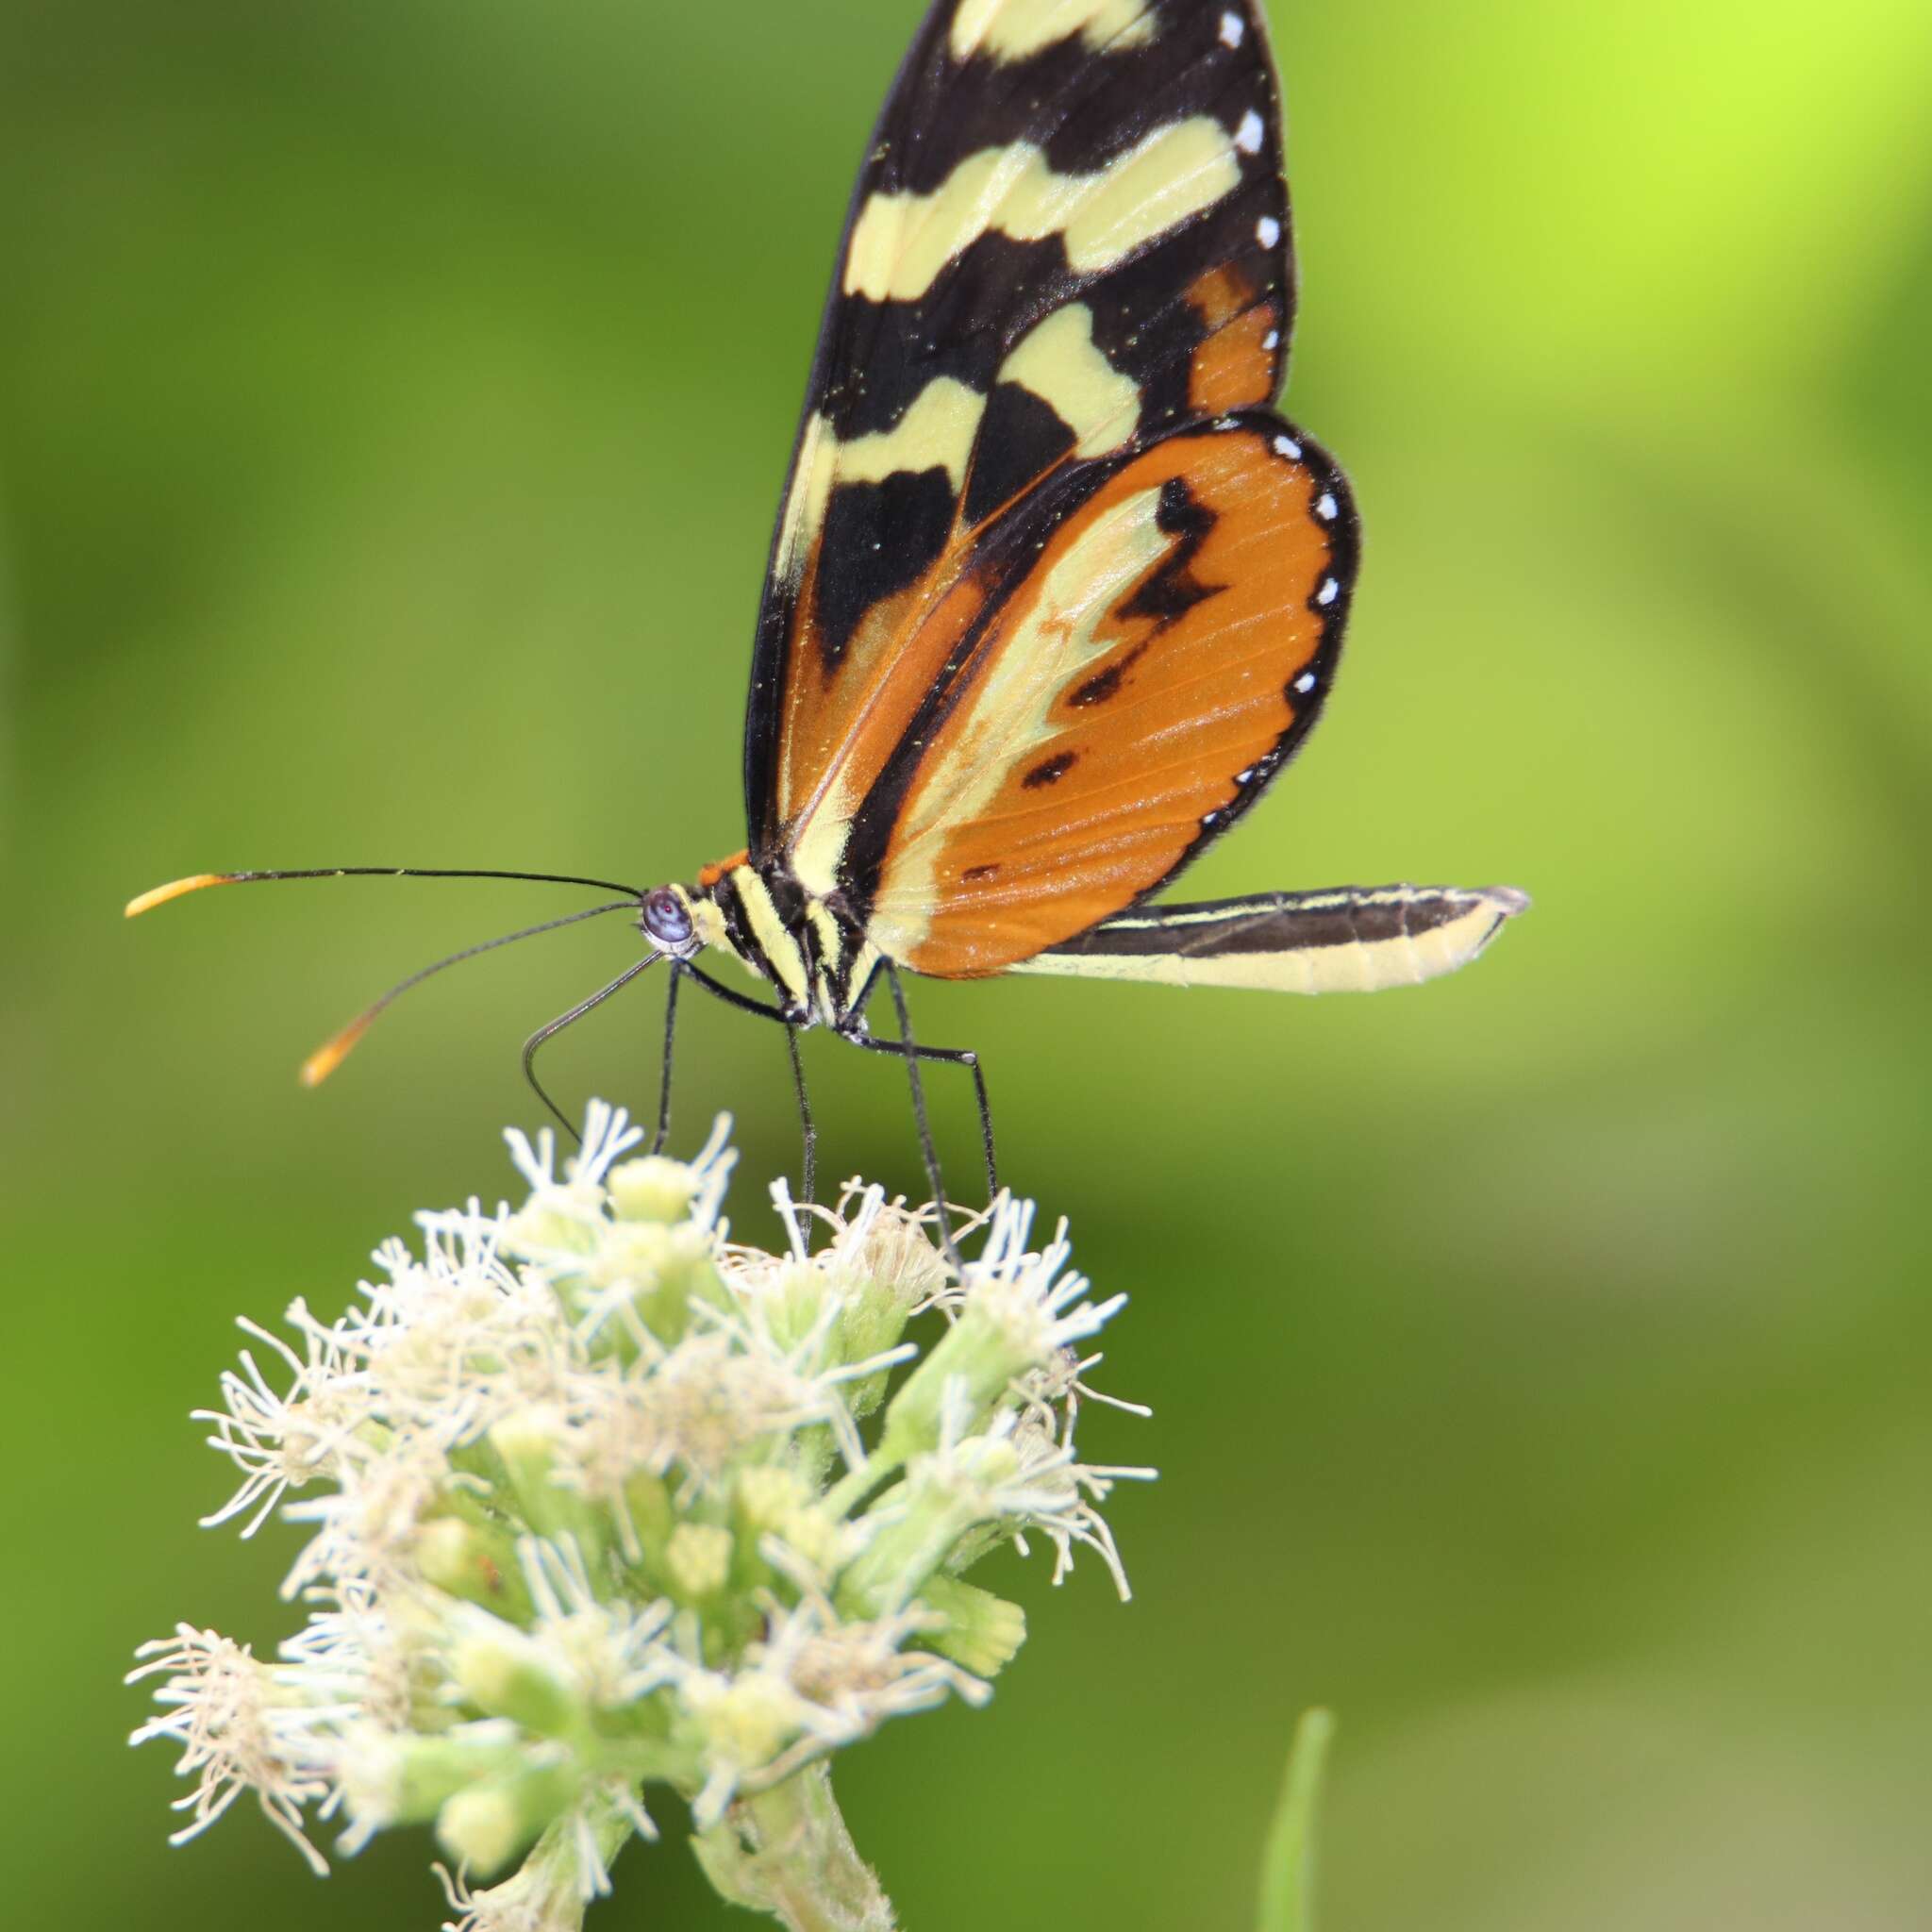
(665, 917)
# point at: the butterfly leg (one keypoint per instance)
(663, 1133)
(948, 1056)
(790, 1023)
(569, 1019)
(908, 1049)
(805, 1119)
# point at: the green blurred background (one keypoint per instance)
(393, 405)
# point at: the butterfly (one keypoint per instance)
(1054, 592)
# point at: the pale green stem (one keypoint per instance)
(846, 1494)
(786, 1851)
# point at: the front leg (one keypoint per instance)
(913, 1051)
(805, 1122)
(792, 1020)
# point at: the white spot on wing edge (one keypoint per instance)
(1232, 29)
(1286, 447)
(1328, 592)
(1326, 508)
(1305, 682)
(1247, 137)
(1266, 231)
(1271, 339)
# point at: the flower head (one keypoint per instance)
(600, 1500)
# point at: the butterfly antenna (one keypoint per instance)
(570, 1019)
(176, 889)
(334, 1050)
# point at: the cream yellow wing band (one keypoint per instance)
(1349, 939)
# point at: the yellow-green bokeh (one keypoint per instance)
(392, 403)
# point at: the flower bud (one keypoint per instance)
(652, 1189)
(476, 1564)
(560, 1219)
(968, 1370)
(746, 1722)
(509, 1675)
(982, 1631)
(698, 1558)
(486, 1826)
(390, 1778)
(941, 1498)
(528, 1442)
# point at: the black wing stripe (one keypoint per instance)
(1283, 922)
(1352, 939)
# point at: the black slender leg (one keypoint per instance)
(790, 1021)
(970, 1060)
(805, 1122)
(570, 1019)
(951, 1057)
(718, 990)
(905, 1047)
(663, 1133)
(909, 1050)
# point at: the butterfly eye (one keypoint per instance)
(665, 918)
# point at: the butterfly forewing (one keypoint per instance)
(1067, 254)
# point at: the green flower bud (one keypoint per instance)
(939, 1502)
(794, 1301)
(982, 1632)
(652, 1189)
(391, 1778)
(698, 1558)
(981, 1357)
(474, 1563)
(885, 1274)
(509, 1675)
(527, 1442)
(564, 1218)
(487, 1825)
(747, 1722)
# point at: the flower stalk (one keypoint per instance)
(786, 1851)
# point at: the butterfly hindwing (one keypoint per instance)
(1115, 704)
(1070, 236)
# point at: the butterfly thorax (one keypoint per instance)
(811, 949)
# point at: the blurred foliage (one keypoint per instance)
(393, 405)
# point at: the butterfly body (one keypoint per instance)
(813, 952)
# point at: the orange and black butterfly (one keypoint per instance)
(1053, 593)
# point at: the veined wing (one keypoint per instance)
(1069, 235)
(1349, 939)
(1128, 658)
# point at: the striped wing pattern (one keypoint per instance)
(1052, 594)
(1348, 939)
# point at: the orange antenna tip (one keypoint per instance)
(146, 902)
(328, 1057)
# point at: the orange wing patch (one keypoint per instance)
(1164, 653)
(1238, 363)
(842, 722)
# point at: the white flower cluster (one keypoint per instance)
(600, 1499)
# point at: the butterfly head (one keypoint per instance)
(671, 918)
